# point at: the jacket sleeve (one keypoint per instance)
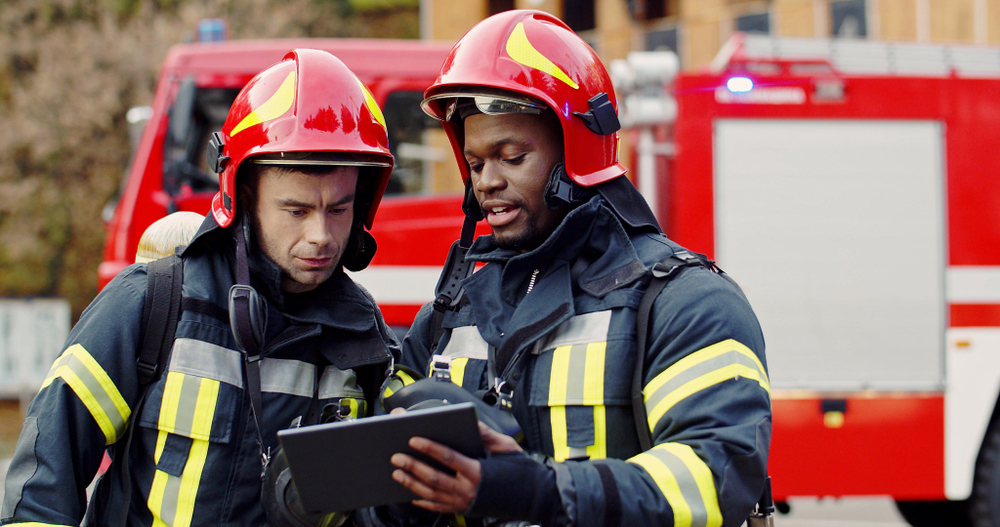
(416, 344)
(707, 397)
(82, 408)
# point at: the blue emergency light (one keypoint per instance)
(739, 84)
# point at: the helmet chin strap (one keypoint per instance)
(248, 320)
(561, 191)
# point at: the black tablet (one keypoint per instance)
(345, 465)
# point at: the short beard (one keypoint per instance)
(527, 240)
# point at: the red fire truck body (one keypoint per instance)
(853, 192)
(851, 188)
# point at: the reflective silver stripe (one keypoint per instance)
(686, 483)
(339, 383)
(168, 508)
(85, 376)
(697, 371)
(210, 361)
(286, 376)
(187, 401)
(581, 329)
(721, 362)
(466, 341)
(204, 359)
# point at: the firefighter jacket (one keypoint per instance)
(194, 457)
(561, 323)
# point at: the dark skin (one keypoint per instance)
(510, 157)
(441, 492)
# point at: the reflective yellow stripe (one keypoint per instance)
(593, 393)
(704, 368)
(569, 362)
(593, 376)
(668, 486)
(275, 107)
(88, 380)
(353, 405)
(686, 483)
(188, 407)
(458, 365)
(171, 400)
(558, 381)
(405, 377)
(521, 50)
(208, 395)
(371, 104)
(560, 442)
(155, 500)
(559, 376)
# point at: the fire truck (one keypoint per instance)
(852, 188)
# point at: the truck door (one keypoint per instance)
(835, 230)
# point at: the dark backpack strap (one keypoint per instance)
(160, 313)
(662, 271)
(165, 277)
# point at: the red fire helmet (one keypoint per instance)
(308, 109)
(516, 60)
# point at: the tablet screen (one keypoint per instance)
(345, 465)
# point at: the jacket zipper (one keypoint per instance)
(531, 283)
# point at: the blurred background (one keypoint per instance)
(77, 82)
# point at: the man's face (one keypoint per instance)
(510, 158)
(303, 222)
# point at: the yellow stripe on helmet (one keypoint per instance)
(523, 52)
(371, 104)
(275, 107)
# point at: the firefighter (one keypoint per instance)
(548, 325)
(272, 328)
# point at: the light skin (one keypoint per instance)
(303, 222)
(510, 158)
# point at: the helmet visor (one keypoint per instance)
(464, 104)
(321, 159)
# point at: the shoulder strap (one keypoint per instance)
(662, 271)
(160, 313)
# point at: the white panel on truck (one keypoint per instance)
(835, 230)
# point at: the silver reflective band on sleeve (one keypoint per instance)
(721, 362)
(95, 389)
(686, 483)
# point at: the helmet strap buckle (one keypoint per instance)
(601, 118)
(561, 191)
(216, 161)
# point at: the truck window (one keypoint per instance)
(424, 162)
(196, 113)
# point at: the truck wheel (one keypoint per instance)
(935, 513)
(985, 501)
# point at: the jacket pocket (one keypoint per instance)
(189, 414)
(570, 391)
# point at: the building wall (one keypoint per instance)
(704, 25)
